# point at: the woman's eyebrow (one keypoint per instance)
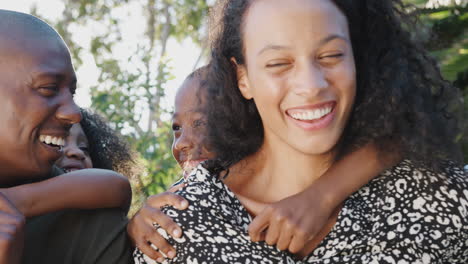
(282, 47)
(332, 37)
(273, 47)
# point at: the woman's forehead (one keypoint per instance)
(286, 23)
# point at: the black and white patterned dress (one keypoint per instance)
(406, 215)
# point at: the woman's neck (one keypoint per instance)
(275, 172)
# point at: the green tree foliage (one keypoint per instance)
(445, 35)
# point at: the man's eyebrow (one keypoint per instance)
(51, 74)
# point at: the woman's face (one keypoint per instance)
(76, 151)
(299, 71)
(189, 127)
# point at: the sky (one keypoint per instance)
(183, 55)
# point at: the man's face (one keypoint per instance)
(37, 83)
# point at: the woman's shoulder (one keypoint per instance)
(209, 197)
(408, 179)
(436, 198)
(413, 208)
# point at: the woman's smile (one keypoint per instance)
(313, 117)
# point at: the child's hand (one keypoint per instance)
(292, 222)
(141, 229)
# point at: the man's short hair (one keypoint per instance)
(14, 25)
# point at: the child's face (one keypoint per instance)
(188, 125)
(76, 151)
(300, 72)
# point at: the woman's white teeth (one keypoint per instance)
(311, 114)
(52, 140)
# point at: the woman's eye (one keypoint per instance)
(48, 90)
(331, 58)
(277, 64)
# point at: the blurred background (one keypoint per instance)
(131, 56)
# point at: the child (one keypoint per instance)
(307, 211)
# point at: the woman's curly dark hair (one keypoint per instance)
(402, 103)
(107, 149)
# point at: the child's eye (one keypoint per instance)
(176, 127)
(198, 123)
(85, 149)
(48, 91)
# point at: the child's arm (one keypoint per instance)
(292, 222)
(81, 189)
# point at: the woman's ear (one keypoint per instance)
(242, 80)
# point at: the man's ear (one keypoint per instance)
(242, 80)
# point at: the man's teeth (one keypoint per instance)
(311, 114)
(52, 140)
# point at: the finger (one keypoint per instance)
(259, 225)
(298, 242)
(167, 198)
(149, 251)
(160, 243)
(272, 234)
(164, 221)
(177, 187)
(285, 237)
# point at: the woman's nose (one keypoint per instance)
(309, 79)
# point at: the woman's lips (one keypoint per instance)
(314, 117)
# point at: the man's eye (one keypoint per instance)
(48, 90)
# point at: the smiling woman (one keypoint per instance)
(292, 87)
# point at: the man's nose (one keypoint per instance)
(68, 112)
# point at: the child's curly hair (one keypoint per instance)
(107, 149)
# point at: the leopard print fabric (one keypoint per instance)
(406, 215)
